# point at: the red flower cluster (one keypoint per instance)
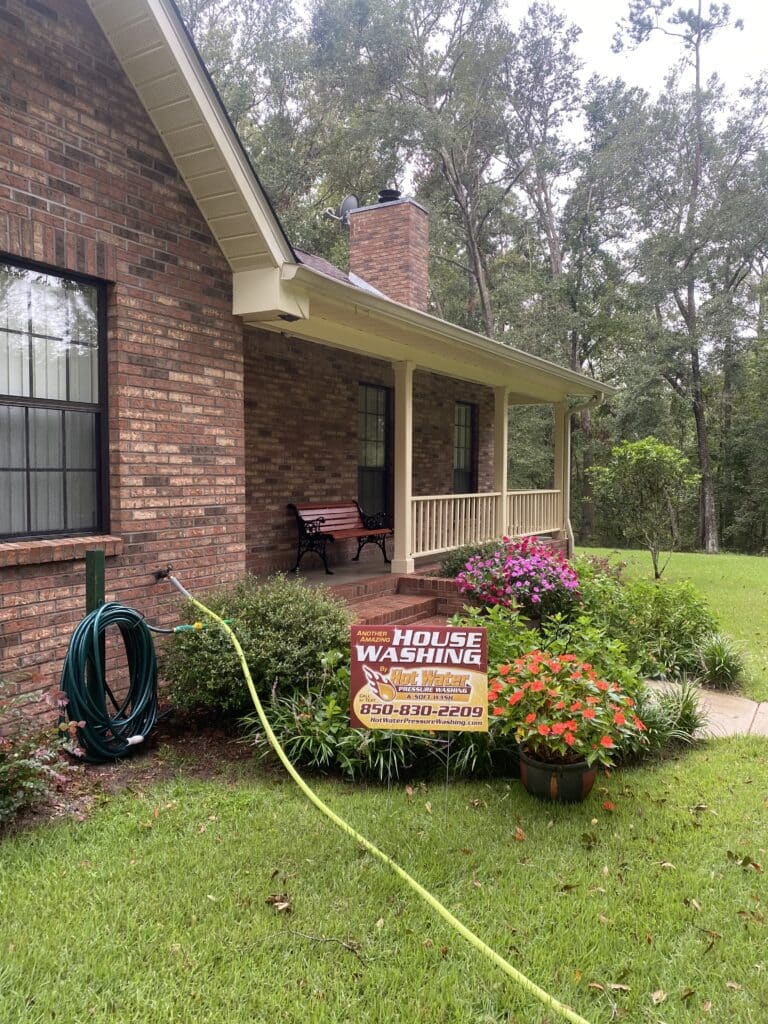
(560, 711)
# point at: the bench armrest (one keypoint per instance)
(376, 521)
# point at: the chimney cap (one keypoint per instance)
(389, 195)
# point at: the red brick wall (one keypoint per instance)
(389, 248)
(301, 437)
(86, 185)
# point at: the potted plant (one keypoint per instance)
(525, 574)
(566, 719)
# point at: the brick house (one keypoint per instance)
(173, 372)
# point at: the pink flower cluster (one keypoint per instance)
(522, 574)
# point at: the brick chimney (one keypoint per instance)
(389, 248)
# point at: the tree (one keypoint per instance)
(698, 239)
(644, 488)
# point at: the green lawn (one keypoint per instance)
(736, 587)
(155, 909)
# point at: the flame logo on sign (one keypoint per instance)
(379, 684)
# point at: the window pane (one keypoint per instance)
(49, 368)
(14, 364)
(13, 448)
(83, 314)
(13, 502)
(82, 509)
(80, 440)
(49, 306)
(83, 374)
(47, 501)
(45, 441)
(14, 298)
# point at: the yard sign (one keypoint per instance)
(431, 678)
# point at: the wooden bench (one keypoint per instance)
(320, 525)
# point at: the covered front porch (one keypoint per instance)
(305, 369)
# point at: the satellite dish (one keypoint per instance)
(348, 204)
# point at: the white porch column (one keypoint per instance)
(402, 561)
(562, 481)
(500, 456)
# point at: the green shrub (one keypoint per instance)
(283, 627)
(721, 661)
(26, 776)
(592, 644)
(455, 561)
(314, 731)
(661, 624)
(508, 634)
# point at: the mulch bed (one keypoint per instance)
(196, 749)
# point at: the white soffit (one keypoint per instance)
(156, 55)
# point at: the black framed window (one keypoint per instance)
(464, 448)
(374, 462)
(52, 403)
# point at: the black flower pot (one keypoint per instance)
(561, 783)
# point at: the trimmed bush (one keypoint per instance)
(661, 624)
(283, 627)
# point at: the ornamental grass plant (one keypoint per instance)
(521, 574)
(561, 712)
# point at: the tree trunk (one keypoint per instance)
(708, 536)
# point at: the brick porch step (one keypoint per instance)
(389, 609)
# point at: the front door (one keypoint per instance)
(374, 462)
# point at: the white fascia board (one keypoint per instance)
(568, 382)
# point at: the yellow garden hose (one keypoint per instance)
(538, 993)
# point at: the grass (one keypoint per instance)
(156, 908)
(736, 587)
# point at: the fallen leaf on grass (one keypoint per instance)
(687, 994)
(380, 923)
(743, 860)
(596, 986)
(658, 996)
(751, 915)
(707, 1006)
(428, 807)
(409, 791)
(519, 834)
(693, 904)
(733, 985)
(608, 806)
(281, 901)
(667, 864)
(477, 883)
(620, 988)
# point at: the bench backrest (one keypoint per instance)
(343, 515)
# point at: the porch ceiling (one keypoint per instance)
(348, 318)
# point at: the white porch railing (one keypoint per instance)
(533, 512)
(440, 522)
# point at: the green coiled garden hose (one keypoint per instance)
(106, 731)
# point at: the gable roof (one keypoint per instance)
(163, 64)
(275, 285)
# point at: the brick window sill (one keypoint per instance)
(57, 549)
